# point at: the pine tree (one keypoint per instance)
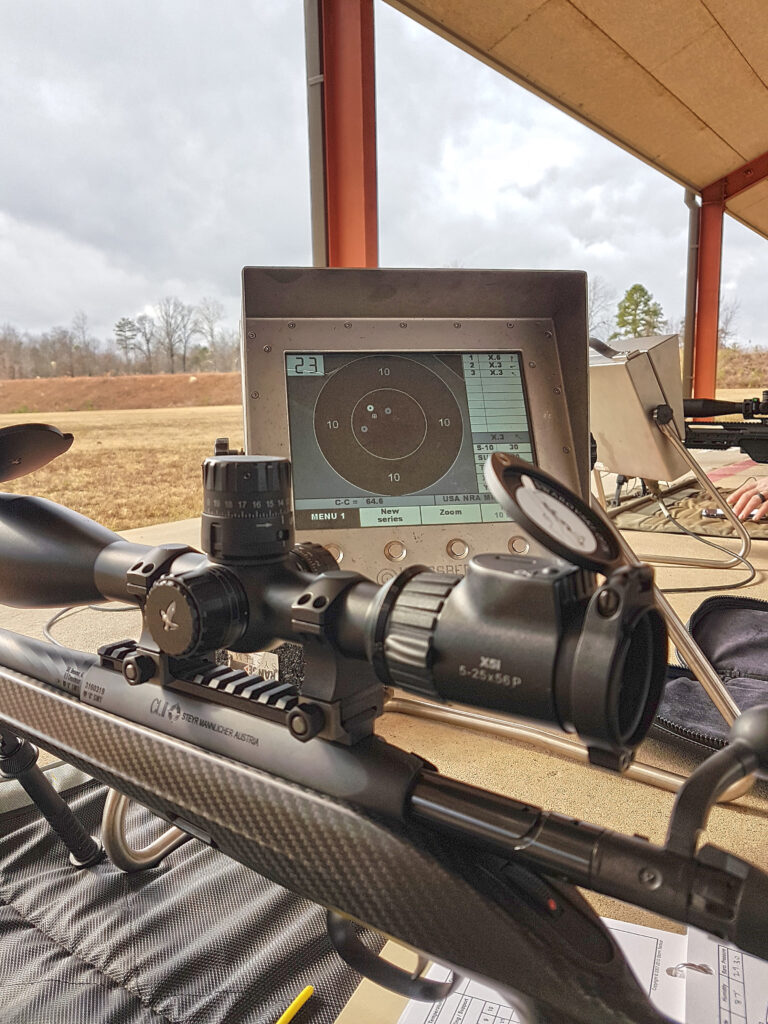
(637, 314)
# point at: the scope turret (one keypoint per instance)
(247, 515)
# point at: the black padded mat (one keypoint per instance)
(732, 633)
(198, 940)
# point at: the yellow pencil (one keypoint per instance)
(296, 1005)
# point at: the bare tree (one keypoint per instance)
(63, 347)
(12, 353)
(138, 344)
(177, 325)
(84, 346)
(601, 302)
(210, 313)
(228, 350)
(52, 353)
(146, 339)
(726, 328)
(64, 351)
(188, 328)
(168, 329)
(222, 344)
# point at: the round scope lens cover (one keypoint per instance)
(25, 447)
(552, 514)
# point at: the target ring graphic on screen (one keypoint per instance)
(388, 424)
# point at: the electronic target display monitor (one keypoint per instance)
(389, 389)
(401, 439)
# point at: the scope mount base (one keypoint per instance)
(343, 720)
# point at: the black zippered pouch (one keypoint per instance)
(733, 634)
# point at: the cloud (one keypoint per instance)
(42, 292)
(158, 148)
(170, 143)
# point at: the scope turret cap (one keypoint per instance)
(247, 514)
(197, 611)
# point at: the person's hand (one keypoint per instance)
(751, 496)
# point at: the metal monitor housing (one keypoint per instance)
(542, 315)
(624, 391)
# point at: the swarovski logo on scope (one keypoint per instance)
(167, 617)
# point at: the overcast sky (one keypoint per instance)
(155, 148)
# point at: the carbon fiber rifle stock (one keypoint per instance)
(295, 784)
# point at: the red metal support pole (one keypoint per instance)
(708, 296)
(349, 116)
(713, 200)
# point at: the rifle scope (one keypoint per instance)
(532, 637)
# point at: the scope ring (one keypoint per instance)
(119, 850)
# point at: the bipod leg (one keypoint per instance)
(18, 760)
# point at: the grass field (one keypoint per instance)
(130, 468)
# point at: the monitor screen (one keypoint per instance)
(389, 439)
